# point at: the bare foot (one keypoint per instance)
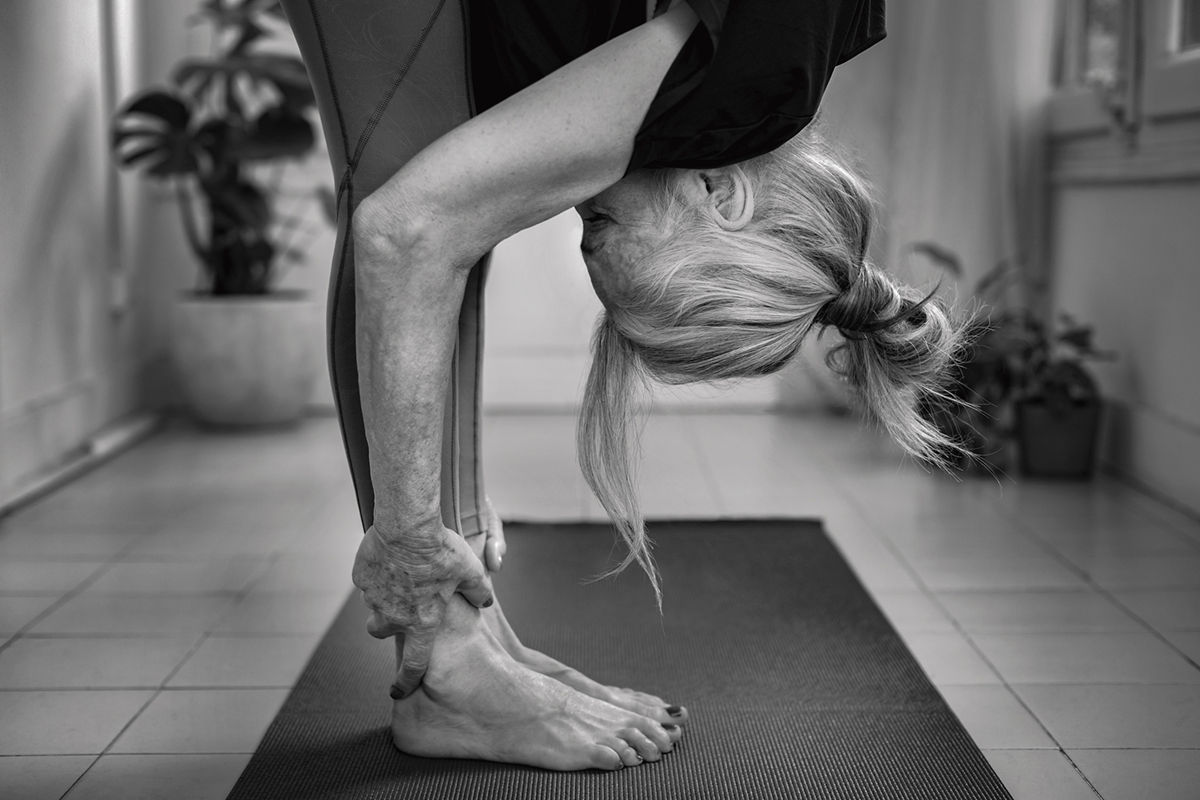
(630, 699)
(647, 705)
(477, 701)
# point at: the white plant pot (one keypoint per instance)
(246, 360)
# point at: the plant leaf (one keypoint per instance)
(284, 74)
(162, 106)
(239, 204)
(277, 133)
(132, 156)
(1079, 337)
(154, 127)
(941, 256)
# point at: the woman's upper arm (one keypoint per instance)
(551, 146)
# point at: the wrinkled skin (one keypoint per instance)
(407, 582)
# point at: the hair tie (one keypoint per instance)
(856, 311)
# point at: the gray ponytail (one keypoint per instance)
(899, 349)
(714, 304)
(607, 441)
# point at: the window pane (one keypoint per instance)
(1189, 24)
(1101, 54)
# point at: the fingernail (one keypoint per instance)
(669, 726)
(488, 603)
(675, 711)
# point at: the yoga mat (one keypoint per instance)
(797, 685)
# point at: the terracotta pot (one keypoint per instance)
(1058, 442)
(245, 360)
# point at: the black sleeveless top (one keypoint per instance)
(747, 80)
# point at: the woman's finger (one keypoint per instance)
(381, 627)
(473, 581)
(417, 647)
(496, 528)
(477, 588)
(492, 556)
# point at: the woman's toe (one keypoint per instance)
(628, 756)
(656, 733)
(605, 757)
(650, 699)
(641, 743)
(678, 714)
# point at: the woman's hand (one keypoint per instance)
(406, 581)
(496, 545)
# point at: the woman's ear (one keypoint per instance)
(729, 194)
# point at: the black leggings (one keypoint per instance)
(390, 77)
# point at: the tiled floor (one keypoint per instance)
(154, 614)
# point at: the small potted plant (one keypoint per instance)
(222, 135)
(1058, 404)
(1021, 382)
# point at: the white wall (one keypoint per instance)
(91, 261)
(72, 355)
(1125, 259)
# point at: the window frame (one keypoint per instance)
(1171, 75)
(1146, 130)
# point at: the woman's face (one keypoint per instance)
(621, 227)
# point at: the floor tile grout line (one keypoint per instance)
(691, 441)
(62, 600)
(171, 674)
(1020, 700)
(79, 777)
(1024, 705)
(1029, 534)
(983, 656)
(99, 572)
(1103, 591)
(108, 747)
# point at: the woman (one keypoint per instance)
(714, 236)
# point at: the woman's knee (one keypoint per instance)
(391, 226)
(383, 226)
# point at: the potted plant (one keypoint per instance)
(1058, 404)
(1021, 382)
(222, 135)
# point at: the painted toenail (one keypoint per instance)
(669, 726)
(675, 711)
(488, 603)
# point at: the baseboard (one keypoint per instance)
(99, 448)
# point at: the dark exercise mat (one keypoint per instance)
(797, 685)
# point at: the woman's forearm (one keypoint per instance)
(546, 149)
(408, 299)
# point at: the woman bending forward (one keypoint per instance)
(716, 235)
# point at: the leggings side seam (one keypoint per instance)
(333, 92)
(381, 107)
(347, 244)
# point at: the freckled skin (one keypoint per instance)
(620, 229)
